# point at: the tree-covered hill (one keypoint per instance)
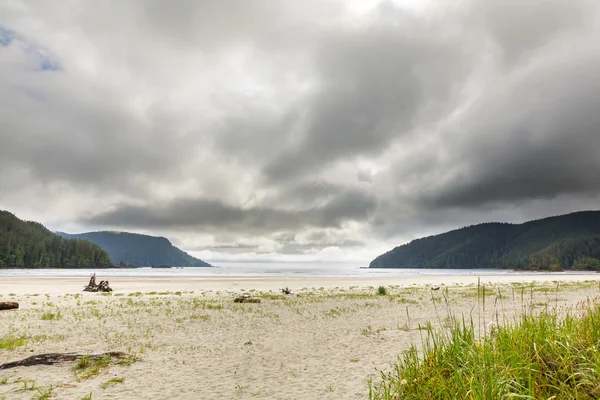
(139, 250)
(564, 241)
(30, 244)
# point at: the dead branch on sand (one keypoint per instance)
(55, 358)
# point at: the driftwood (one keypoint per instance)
(286, 291)
(92, 286)
(246, 299)
(55, 358)
(8, 305)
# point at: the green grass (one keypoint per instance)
(48, 316)
(11, 342)
(43, 394)
(86, 367)
(381, 290)
(112, 382)
(28, 384)
(536, 357)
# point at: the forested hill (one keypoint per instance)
(567, 241)
(139, 250)
(30, 244)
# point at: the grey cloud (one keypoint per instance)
(538, 139)
(182, 111)
(83, 141)
(270, 24)
(316, 240)
(307, 247)
(205, 213)
(376, 84)
(300, 195)
(287, 247)
(519, 28)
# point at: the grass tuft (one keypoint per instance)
(381, 290)
(537, 356)
(11, 342)
(112, 382)
(44, 393)
(86, 367)
(48, 316)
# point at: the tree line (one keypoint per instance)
(564, 242)
(30, 244)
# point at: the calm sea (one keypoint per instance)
(268, 269)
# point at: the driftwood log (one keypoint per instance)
(55, 358)
(246, 299)
(8, 305)
(92, 286)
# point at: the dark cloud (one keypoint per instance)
(85, 142)
(376, 83)
(214, 214)
(537, 138)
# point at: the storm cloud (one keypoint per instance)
(212, 213)
(318, 130)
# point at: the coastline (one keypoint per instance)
(73, 284)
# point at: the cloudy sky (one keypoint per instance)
(313, 130)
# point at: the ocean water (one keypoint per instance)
(267, 269)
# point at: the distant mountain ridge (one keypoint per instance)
(139, 250)
(28, 244)
(568, 238)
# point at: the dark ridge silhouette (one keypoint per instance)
(569, 241)
(139, 250)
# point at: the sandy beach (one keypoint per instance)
(188, 340)
(61, 285)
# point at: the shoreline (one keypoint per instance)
(73, 284)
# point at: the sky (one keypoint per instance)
(277, 130)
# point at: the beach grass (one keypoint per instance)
(542, 356)
(11, 342)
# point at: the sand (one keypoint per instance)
(192, 342)
(61, 285)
